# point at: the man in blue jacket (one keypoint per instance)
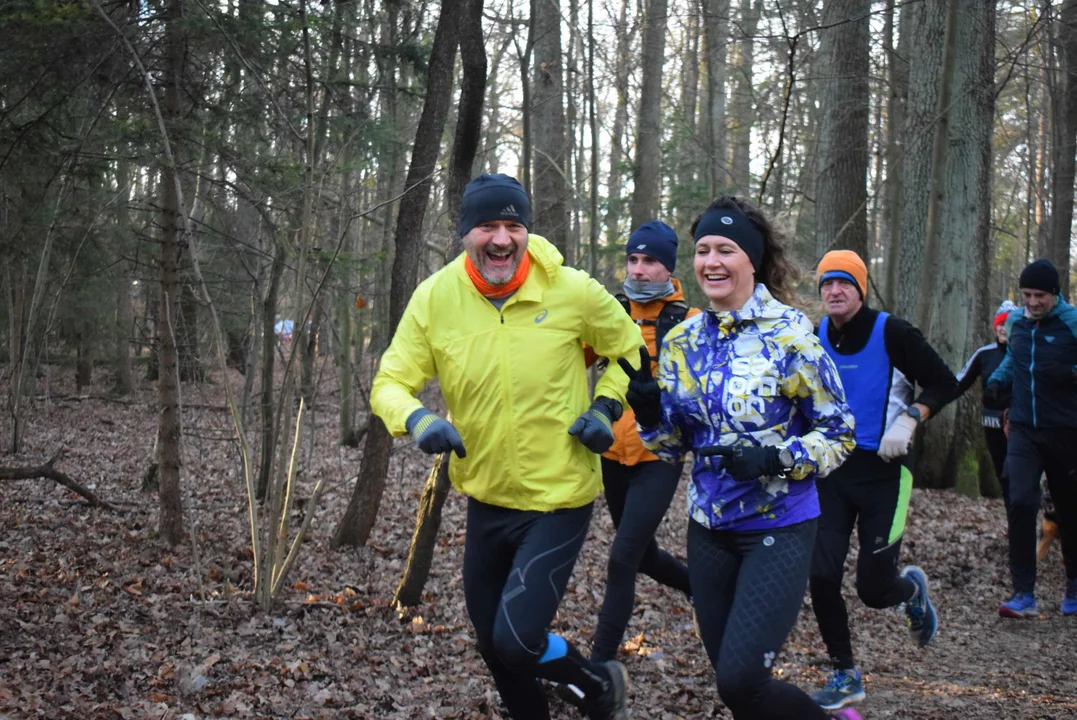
(1041, 370)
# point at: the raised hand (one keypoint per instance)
(643, 394)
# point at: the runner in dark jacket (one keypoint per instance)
(1040, 369)
(982, 363)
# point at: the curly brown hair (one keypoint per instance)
(777, 272)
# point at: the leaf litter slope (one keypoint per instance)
(98, 619)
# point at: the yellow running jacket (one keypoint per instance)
(513, 379)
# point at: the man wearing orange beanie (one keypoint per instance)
(880, 359)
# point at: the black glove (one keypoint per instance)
(746, 463)
(434, 435)
(643, 394)
(594, 428)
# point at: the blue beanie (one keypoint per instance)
(655, 239)
(493, 197)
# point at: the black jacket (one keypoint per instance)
(982, 363)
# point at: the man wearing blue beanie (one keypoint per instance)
(503, 327)
(638, 486)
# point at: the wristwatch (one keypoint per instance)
(785, 457)
(914, 412)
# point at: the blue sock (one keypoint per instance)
(556, 647)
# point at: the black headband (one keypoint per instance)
(735, 225)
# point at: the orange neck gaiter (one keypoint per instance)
(497, 292)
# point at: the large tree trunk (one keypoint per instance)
(1065, 147)
(841, 186)
(958, 308)
(171, 505)
(716, 37)
(648, 165)
(926, 25)
(358, 521)
(550, 162)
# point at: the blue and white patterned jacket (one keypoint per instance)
(757, 376)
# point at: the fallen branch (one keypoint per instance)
(51, 473)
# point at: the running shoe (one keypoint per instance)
(571, 695)
(1069, 600)
(611, 705)
(848, 714)
(844, 688)
(919, 612)
(1021, 605)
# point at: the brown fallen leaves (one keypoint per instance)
(98, 619)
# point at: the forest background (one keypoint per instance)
(212, 215)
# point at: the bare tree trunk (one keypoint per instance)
(122, 332)
(550, 163)
(1065, 145)
(958, 308)
(648, 165)
(409, 592)
(171, 505)
(618, 154)
(716, 37)
(898, 72)
(269, 363)
(743, 113)
(927, 23)
(359, 518)
(841, 185)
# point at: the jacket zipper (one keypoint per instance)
(1032, 374)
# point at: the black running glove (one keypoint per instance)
(434, 435)
(747, 463)
(594, 429)
(643, 394)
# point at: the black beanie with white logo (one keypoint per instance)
(493, 197)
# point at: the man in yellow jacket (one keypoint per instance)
(502, 328)
(639, 487)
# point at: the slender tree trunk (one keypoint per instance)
(171, 505)
(618, 155)
(550, 163)
(841, 185)
(716, 37)
(1066, 145)
(648, 165)
(269, 363)
(359, 518)
(409, 592)
(898, 73)
(743, 112)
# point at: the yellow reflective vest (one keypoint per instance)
(514, 379)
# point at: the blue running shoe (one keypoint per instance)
(920, 613)
(1021, 605)
(1069, 600)
(844, 688)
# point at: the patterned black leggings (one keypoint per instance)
(748, 588)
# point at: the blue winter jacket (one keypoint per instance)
(1041, 368)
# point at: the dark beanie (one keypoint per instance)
(493, 197)
(1040, 275)
(655, 239)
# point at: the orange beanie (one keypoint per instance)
(844, 264)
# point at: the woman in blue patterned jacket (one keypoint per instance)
(748, 389)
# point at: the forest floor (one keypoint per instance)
(99, 619)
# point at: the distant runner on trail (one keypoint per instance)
(881, 358)
(1040, 370)
(502, 327)
(746, 387)
(982, 363)
(638, 486)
